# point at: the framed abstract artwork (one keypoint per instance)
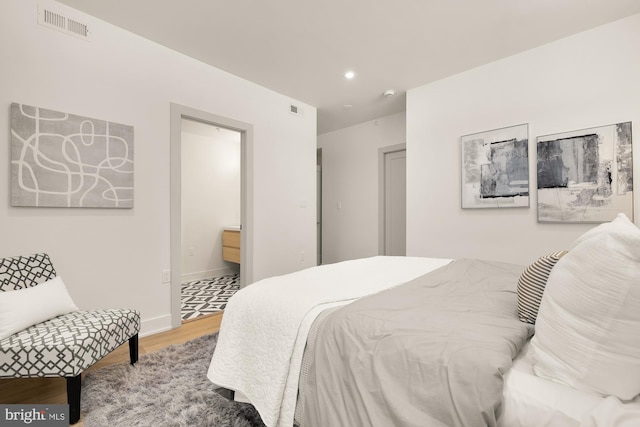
(63, 160)
(495, 168)
(585, 176)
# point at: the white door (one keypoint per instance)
(395, 202)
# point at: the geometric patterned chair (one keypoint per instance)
(66, 345)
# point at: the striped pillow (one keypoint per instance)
(532, 283)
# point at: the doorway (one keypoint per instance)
(393, 200)
(210, 188)
(184, 117)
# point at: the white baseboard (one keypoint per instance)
(199, 275)
(155, 325)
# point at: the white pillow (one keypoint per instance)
(25, 307)
(588, 327)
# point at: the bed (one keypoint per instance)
(410, 341)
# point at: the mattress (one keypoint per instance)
(528, 400)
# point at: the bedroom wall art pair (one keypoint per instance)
(63, 160)
(583, 176)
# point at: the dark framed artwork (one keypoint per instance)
(585, 176)
(63, 160)
(495, 168)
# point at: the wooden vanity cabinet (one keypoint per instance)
(231, 245)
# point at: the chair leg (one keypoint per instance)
(133, 348)
(225, 392)
(74, 388)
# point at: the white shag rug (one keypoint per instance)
(166, 388)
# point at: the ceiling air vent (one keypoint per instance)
(51, 18)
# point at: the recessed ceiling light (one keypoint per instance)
(349, 75)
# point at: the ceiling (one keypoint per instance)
(302, 48)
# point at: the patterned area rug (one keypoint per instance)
(208, 295)
(168, 388)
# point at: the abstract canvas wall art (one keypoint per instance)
(63, 160)
(495, 168)
(585, 175)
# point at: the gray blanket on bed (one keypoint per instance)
(431, 352)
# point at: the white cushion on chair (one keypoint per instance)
(26, 307)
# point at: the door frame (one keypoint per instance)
(319, 205)
(179, 112)
(382, 196)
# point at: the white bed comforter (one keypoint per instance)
(265, 326)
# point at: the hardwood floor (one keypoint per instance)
(54, 390)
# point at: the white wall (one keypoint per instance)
(583, 81)
(350, 186)
(210, 197)
(115, 257)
